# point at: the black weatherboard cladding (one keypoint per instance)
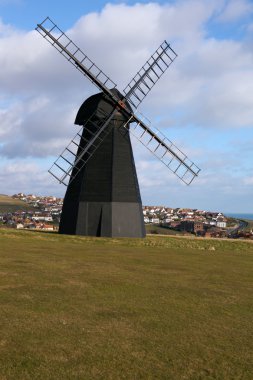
(104, 198)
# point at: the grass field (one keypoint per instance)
(8, 204)
(159, 308)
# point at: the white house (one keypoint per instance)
(155, 220)
(221, 224)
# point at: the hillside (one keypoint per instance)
(8, 204)
(156, 308)
(155, 229)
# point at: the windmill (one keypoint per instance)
(103, 196)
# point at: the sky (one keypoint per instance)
(204, 102)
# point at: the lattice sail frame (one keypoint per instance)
(69, 160)
(154, 140)
(148, 75)
(61, 42)
(164, 149)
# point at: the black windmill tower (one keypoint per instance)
(103, 196)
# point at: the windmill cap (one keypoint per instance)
(98, 102)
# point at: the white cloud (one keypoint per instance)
(28, 128)
(27, 176)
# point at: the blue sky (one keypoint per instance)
(23, 13)
(203, 104)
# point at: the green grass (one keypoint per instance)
(158, 308)
(8, 204)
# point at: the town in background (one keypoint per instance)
(44, 212)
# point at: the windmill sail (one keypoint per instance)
(59, 40)
(148, 75)
(167, 152)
